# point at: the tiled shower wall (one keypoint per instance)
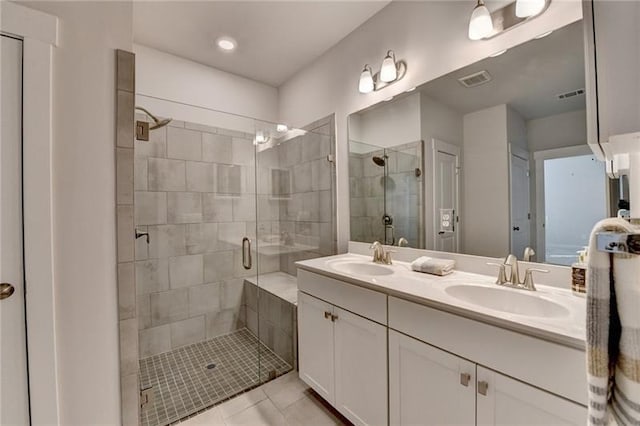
(404, 194)
(195, 195)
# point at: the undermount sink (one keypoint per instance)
(507, 300)
(361, 268)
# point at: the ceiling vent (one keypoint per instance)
(570, 94)
(475, 79)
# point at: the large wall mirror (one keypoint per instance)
(488, 160)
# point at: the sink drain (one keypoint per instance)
(211, 366)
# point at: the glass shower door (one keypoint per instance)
(295, 221)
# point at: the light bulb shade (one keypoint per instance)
(388, 70)
(526, 8)
(480, 24)
(366, 81)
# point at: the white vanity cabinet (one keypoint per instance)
(428, 385)
(504, 401)
(343, 355)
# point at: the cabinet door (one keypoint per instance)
(361, 368)
(315, 345)
(505, 401)
(428, 385)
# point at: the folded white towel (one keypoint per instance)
(430, 265)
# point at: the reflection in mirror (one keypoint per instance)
(386, 193)
(507, 168)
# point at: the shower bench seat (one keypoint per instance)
(270, 304)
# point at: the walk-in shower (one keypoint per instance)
(210, 325)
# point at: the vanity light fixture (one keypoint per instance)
(484, 24)
(527, 8)
(261, 138)
(366, 80)
(480, 24)
(390, 72)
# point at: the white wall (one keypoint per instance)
(440, 122)
(431, 36)
(169, 77)
(84, 207)
(485, 174)
(516, 129)
(390, 124)
(557, 131)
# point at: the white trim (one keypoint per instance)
(569, 151)
(447, 148)
(29, 23)
(40, 34)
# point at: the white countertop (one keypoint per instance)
(567, 329)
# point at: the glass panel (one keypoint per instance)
(386, 193)
(296, 221)
(195, 195)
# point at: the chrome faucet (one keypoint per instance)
(380, 255)
(513, 278)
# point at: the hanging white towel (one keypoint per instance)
(613, 331)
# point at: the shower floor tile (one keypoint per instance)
(183, 385)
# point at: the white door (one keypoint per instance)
(520, 202)
(361, 368)
(428, 385)
(505, 401)
(446, 166)
(315, 345)
(14, 404)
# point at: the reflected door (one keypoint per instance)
(445, 169)
(520, 203)
(14, 405)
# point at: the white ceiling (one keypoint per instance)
(275, 38)
(527, 77)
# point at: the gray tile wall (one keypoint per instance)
(128, 321)
(195, 195)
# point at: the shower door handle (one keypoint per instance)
(246, 253)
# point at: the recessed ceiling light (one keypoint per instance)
(389, 99)
(226, 43)
(544, 34)
(498, 53)
(411, 89)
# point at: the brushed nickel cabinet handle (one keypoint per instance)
(6, 290)
(483, 387)
(465, 378)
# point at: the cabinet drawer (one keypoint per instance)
(362, 301)
(550, 366)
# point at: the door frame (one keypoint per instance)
(455, 150)
(39, 33)
(523, 154)
(539, 157)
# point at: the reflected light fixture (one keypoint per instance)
(389, 70)
(527, 8)
(366, 80)
(261, 137)
(226, 43)
(281, 128)
(480, 24)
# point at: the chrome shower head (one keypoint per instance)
(158, 123)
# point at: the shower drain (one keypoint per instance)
(211, 366)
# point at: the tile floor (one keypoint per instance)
(285, 401)
(182, 384)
